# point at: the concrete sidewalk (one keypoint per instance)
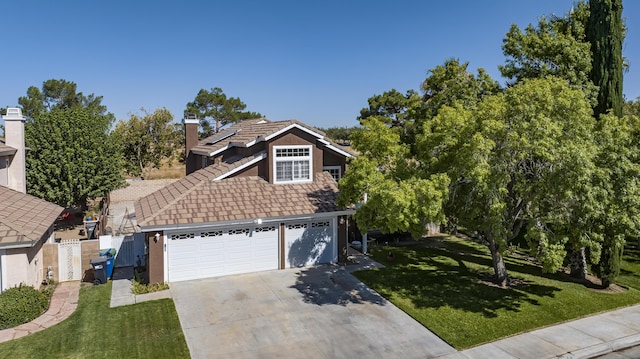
(64, 302)
(583, 338)
(121, 293)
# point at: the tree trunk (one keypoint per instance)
(499, 268)
(578, 264)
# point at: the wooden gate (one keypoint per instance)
(69, 260)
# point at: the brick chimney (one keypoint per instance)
(191, 123)
(14, 137)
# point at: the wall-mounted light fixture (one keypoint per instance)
(156, 237)
(341, 220)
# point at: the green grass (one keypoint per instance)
(443, 288)
(630, 267)
(144, 330)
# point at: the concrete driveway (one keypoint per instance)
(318, 312)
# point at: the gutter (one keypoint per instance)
(245, 222)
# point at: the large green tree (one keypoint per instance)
(399, 198)
(72, 156)
(214, 105)
(605, 32)
(509, 158)
(148, 140)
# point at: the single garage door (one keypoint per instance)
(218, 252)
(309, 243)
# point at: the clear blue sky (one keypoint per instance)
(315, 61)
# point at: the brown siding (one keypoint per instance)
(251, 171)
(155, 257)
(191, 140)
(331, 158)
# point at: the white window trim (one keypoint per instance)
(302, 158)
(339, 168)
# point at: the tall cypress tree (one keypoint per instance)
(605, 32)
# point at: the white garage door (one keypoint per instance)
(309, 243)
(218, 252)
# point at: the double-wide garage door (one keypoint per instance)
(219, 252)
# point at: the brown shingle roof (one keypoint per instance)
(246, 132)
(24, 218)
(237, 198)
(6, 150)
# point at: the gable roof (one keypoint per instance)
(24, 219)
(249, 132)
(199, 200)
(6, 150)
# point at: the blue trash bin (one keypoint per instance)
(110, 254)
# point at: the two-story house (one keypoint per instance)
(259, 195)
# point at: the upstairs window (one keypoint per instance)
(292, 164)
(334, 171)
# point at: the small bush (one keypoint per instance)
(139, 288)
(21, 305)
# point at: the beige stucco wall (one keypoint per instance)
(23, 266)
(4, 171)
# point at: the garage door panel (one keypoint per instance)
(212, 246)
(222, 252)
(309, 243)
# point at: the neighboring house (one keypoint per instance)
(259, 195)
(26, 222)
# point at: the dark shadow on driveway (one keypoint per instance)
(327, 284)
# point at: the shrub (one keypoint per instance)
(139, 288)
(21, 305)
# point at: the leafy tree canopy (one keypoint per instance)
(555, 46)
(632, 108)
(214, 105)
(392, 107)
(510, 157)
(72, 156)
(60, 94)
(147, 140)
(452, 83)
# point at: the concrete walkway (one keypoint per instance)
(63, 303)
(583, 338)
(121, 293)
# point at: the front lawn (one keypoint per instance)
(144, 330)
(446, 289)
